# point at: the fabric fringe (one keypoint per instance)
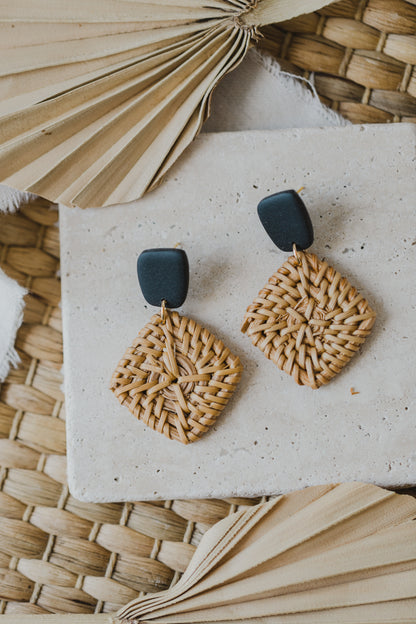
(303, 90)
(12, 305)
(11, 199)
(12, 302)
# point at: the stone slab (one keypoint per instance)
(274, 436)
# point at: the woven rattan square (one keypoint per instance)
(308, 320)
(177, 377)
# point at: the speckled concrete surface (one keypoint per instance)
(273, 436)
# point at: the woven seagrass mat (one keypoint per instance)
(362, 54)
(61, 555)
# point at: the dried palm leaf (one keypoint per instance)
(333, 554)
(344, 554)
(99, 98)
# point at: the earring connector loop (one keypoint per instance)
(295, 253)
(163, 310)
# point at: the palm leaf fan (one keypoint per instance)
(100, 97)
(342, 554)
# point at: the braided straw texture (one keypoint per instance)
(308, 320)
(177, 377)
(361, 55)
(58, 554)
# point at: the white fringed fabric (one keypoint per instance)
(11, 295)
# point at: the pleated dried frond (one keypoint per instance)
(342, 553)
(177, 377)
(308, 320)
(100, 98)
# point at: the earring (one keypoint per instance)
(307, 319)
(177, 377)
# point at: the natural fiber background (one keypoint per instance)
(60, 555)
(363, 55)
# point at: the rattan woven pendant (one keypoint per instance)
(177, 377)
(99, 98)
(343, 554)
(308, 319)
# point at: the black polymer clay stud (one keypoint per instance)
(163, 276)
(286, 220)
